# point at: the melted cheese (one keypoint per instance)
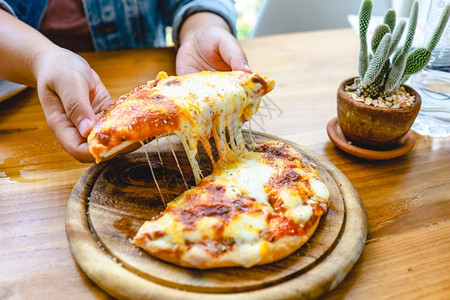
(247, 175)
(229, 216)
(195, 107)
(246, 228)
(204, 227)
(320, 189)
(250, 201)
(216, 108)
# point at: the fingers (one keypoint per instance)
(74, 144)
(71, 95)
(212, 49)
(76, 99)
(232, 53)
(101, 97)
(63, 128)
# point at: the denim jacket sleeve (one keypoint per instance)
(175, 12)
(30, 12)
(121, 24)
(141, 23)
(5, 6)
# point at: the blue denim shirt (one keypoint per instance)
(124, 24)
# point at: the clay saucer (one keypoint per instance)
(338, 138)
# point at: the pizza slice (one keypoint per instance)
(255, 209)
(195, 107)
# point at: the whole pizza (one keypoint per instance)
(261, 202)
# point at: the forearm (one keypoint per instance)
(199, 21)
(20, 49)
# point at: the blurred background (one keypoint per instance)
(266, 17)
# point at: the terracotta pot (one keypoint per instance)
(374, 127)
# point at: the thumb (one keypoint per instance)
(233, 54)
(76, 100)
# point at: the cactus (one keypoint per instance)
(397, 35)
(389, 19)
(378, 35)
(439, 29)
(378, 60)
(391, 64)
(364, 18)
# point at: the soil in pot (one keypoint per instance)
(376, 123)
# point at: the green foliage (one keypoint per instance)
(417, 59)
(439, 28)
(412, 26)
(378, 34)
(365, 14)
(395, 76)
(397, 35)
(389, 19)
(391, 64)
(397, 52)
(378, 60)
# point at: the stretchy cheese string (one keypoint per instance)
(160, 159)
(225, 128)
(238, 138)
(191, 157)
(153, 175)
(252, 144)
(176, 159)
(207, 147)
(232, 138)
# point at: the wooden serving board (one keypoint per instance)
(112, 200)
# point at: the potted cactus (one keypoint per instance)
(376, 109)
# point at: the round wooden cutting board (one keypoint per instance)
(112, 200)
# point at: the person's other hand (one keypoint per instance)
(71, 95)
(207, 44)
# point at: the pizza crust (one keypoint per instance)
(274, 252)
(233, 218)
(255, 208)
(123, 148)
(194, 106)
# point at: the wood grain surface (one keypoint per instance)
(113, 199)
(407, 199)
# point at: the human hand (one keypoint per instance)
(207, 44)
(212, 49)
(71, 95)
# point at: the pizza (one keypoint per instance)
(195, 107)
(260, 203)
(253, 210)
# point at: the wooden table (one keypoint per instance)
(407, 199)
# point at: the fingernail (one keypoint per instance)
(247, 67)
(84, 127)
